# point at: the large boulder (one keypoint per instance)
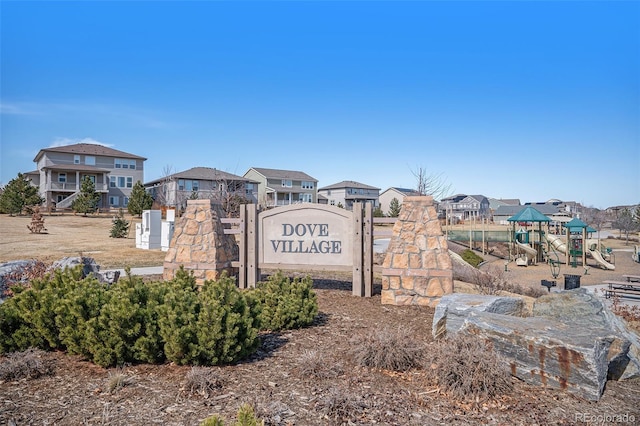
(571, 341)
(584, 309)
(453, 309)
(548, 352)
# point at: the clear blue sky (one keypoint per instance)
(509, 99)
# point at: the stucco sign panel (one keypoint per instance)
(306, 235)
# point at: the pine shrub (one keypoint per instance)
(126, 329)
(119, 227)
(285, 303)
(208, 327)
(226, 329)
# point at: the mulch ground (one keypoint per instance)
(277, 381)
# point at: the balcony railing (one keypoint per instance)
(71, 186)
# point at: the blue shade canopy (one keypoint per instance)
(575, 224)
(529, 214)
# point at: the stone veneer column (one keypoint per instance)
(200, 244)
(417, 269)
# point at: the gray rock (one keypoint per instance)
(548, 352)
(89, 268)
(453, 309)
(581, 308)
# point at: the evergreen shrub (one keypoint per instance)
(284, 303)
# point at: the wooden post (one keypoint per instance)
(367, 267)
(242, 248)
(357, 286)
(253, 268)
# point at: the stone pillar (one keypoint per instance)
(200, 244)
(417, 269)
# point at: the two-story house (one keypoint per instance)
(464, 207)
(200, 182)
(61, 169)
(281, 187)
(347, 192)
(387, 196)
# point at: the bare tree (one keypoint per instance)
(595, 217)
(160, 189)
(433, 184)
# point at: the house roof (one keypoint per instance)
(203, 173)
(508, 210)
(405, 191)
(283, 174)
(348, 184)
(459, 197)
(89, 149)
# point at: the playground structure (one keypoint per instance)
(528, 245)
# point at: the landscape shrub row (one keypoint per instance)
(137, 321)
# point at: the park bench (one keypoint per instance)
(632, 278)
(622, 288)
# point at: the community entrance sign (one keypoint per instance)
(307, 237)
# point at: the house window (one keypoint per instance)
(76, 159)
(120, 163)
(188, 185)
(129, 182)
(329, 192)
(125, 201)
(62, 177)
(92, 178)
(60, 198)
(332, 202)
(287, 183)
(121, 181)
(305, 198)
(89, 160)
(114, 201)
(306, 185)
(112, 182)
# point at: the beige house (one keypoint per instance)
(60, 171)
(282, 187)
(201, 182)
(347, 192)
(390, 193)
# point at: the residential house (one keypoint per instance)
(200, 182)
(555, 211)
(347, 192)
(389, 194)
(61, 169)
(463, 207)
(282, 187)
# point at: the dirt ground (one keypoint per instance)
(276, 379)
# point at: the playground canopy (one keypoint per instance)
(529, 214)
(575, 226)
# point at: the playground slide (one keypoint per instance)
(557, 243)
(597, 256)
(530, 251)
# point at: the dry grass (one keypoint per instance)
(70, 235)
(466, 368)
(29, 364)
(388, 349)
(204, 381)
(118, 378)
